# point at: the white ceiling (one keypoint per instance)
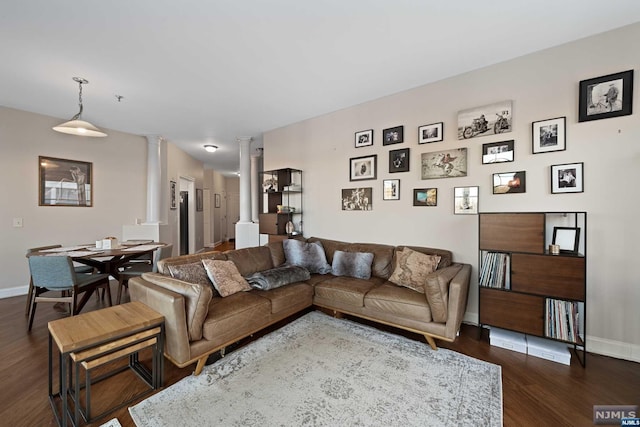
(205, 72)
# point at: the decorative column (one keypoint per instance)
(154, 172)
(247, 234)
(255, 185)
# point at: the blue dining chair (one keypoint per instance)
(57, 273)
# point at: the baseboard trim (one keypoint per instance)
(13, 292)
(611, 348)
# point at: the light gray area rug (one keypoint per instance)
(321, 371)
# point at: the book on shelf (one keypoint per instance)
(561, 320)
(495, 271)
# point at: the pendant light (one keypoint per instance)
(75, 126)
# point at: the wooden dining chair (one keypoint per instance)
(135, 270)
(57, 273)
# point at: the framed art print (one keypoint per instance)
(216, 200)
(364, 138)
(497, 152)
(65, 182)
(199, 204)
(393, 135)
(568, 238)
(357, 199)
(567, 178)
(549, 135)
(172, 195)
(391, 189)
(431, 133)
(362, 168)
(425, 197)
(486, 120)
(606, 96)
(399, 160)
(444, 164)
(510, 182)
(465, 200)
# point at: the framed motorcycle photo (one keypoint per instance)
(605, 97)
(549, 135)
(487, 120)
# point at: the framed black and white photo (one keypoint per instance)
(425, 197)
(465, 200)
(172, 195)
(567, 178)
(357, 199)
(510, 182)
(393, 135)
(486, 120)
(431, 133)
(399, 160)
(497, 152)
(391, 189)
(364, 138)
(444, 164)
(606, 96)
(362, 168)
(65, 182)
(568, 238)
(549, 135)
(199, 204)
(216, 200)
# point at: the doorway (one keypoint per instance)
(184, 222)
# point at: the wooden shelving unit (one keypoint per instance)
(281, 188)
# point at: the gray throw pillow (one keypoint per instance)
(308, 255)
(352, 264)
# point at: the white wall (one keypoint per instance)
(542, 85)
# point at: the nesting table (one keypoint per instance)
(94, 339)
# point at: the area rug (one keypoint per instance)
(321, 371)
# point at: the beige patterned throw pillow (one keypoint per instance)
(225, 277)
(412, 268)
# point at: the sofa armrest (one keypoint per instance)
(172, 306)
(457, 304)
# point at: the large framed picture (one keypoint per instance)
(497, 152)
(364, 138)
(391, 189)
(363, 168)
(567, 178)
(606, 96)
(431, 133)
(199, 204)
(172, 195)
(65, 182)
(425, 197)
(486, 120)
(444, 164)
(465, 200)
(510, 182)
(393, 135)
(549, 135)
(357, 199)
(399, 160)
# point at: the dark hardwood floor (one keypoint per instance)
(536, 392)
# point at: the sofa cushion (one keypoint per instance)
(278, 276)
(308, 255)
(192, 273)
(382, 265)
(347, 290)
(234, 316)
(287, 297)
(398, 301)
(436, 289)
(412, 268)
(163, 264)
(352, 264)
(225, 277)
(250, 260)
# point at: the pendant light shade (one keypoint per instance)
(75, 126)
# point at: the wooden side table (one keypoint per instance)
(90, 340)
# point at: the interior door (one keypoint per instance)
(184, 222)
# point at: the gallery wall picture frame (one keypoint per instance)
(216, 198)
(391, 189)
(549, 135)
(357, 199)
(444, 164)
(363, 168)
(485, 120)
(399, 160)
(172, 195)
(425, 197)
(431, 133)
(364, 138)
(510, 182)
(199, 204)
(606, 96)
(567, 178)
(568, 238)
(465, 200)
(498, 152)
(65, 182)
(394, 135)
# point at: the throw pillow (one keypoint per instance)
(436, 289)
(308, 255)
(225, 277)
(276, 277)
(192, 273)
(352, 264)
(412, 268)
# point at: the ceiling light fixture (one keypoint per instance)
(75, 126)
(210, 148)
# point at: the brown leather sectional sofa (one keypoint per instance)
(198, 324)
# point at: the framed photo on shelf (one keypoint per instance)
(431, 133)
(568, 238)
(549, 135)
(363, 168)
(444, 164)
(510, 182)
(465, 200)
(172, 195)
(364, 138)
(393, 135)
(425, 197)
(391, 189)
(357, 199)
(497, 152)
(606, 96)
(399, 160)
(65, 182)
(199, 205)
(567, 178)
